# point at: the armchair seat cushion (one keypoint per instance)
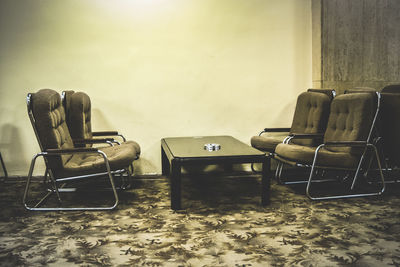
(82, 163)
(291, 153)
(135, 146)
(265, 143)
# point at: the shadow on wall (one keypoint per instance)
(106, 126)
(286, 114)
(101, 118)
(141, 165)
(11, 148)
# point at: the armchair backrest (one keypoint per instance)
(360, 90)
(78, 112)
(65, 100)
(330, 92)
(389, 125)
(311, 115)
(393, 88)
(351, 118)
(47, 116)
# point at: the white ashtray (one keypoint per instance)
(212, 147)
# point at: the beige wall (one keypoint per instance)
(155, 68)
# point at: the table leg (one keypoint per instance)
(165, 166)
(266, 181)
(175, 185)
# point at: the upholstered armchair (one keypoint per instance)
(347, 146)
(310, 117)
(65, 162)
(77, 107)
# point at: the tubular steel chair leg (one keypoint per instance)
(123, 182)
(380, 170)
(55, 186)
(379, 167)
(111, 181)
(46, 175)
(37, 208)
(309, 182)
(358, 170)
(254, 169)
(126, 180)
(354, 178)
(370, 161)
(278, 174)
(28, 182)
(130, 178)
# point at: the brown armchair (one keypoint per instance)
(64, 162)
(347, 145)
(77, 107)
(310, 117)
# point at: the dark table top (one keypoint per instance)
(193, 147)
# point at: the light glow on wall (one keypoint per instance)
(144, 9)
(156, 68)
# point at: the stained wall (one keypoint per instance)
(359, 43)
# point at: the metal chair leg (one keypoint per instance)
(353, 182)
(56, 189)
(278, 173)
(253, 169)
(46, 176)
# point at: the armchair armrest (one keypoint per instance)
(306, 136)
(71, 150)
(277, 130)
(347, 143)
(274, 130)
(109, 133)
(105, 133)
(303, 136)
(94, 141)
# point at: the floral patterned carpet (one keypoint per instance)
(222, 224)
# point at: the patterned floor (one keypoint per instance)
(222, 225)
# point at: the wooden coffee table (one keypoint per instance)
(180, 151)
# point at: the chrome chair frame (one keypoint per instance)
(49, 173)
(279, 168)
(58, 190)
(366, 145)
